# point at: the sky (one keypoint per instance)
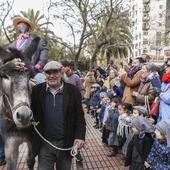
(24, 5)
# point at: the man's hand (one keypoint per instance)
(79, 142)
(147, 165)
(135, 93)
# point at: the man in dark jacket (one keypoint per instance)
(57, 106)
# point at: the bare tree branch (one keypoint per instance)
(9, 8)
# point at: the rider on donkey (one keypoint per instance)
(25, 27)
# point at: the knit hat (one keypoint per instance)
(141, 109)
(143, 125)
(164, 127)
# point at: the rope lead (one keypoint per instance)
(73, 149)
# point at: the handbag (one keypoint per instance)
(147, 106)
(155, 107)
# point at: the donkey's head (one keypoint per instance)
(16, 96)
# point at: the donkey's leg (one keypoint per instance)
(11, 152)
(30, 157)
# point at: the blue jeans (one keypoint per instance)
(2, 154)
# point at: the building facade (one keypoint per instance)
(150, 27)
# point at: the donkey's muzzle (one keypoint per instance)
(23, 116)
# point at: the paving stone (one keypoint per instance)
(94, 157)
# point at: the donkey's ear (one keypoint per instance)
(9, 54)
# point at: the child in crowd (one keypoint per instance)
(95, 98)
(102, 107)
(111, 125)
(123, 126)
(139, 111)
(105, 132)
(141, 143)
(159, 156)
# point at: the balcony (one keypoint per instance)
(146, 1)
(146, 8)
(146, 17)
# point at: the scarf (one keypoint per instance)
(21, 41)
(133, 70)
(166, 78)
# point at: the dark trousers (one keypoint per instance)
(105, 135)
(48, 157)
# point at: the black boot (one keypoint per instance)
(2, 161)
(114, 152)
(79, 158)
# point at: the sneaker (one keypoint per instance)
(79, 158)
(2, 161)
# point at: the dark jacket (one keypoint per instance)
(137, 151)
(41, 54)
(75, 126)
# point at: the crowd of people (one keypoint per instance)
(130, 105)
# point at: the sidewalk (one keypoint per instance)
(94, 156)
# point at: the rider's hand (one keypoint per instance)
(19, 65)
(38, 67)
(147, 165)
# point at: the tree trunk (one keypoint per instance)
(75, 63)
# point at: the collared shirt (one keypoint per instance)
(54, 113)
(55, 91)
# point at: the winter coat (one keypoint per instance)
(106, 113)
(159, 156)
(145, 89)
(164, 107)
(131, 85)
(41, 54)
(74, 122)
(111, 124)
(123, 129)
(101, 113)
(95, 99)
(137, 151)
(112, 120)
(89, 80)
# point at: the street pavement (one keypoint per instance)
(94, 154)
